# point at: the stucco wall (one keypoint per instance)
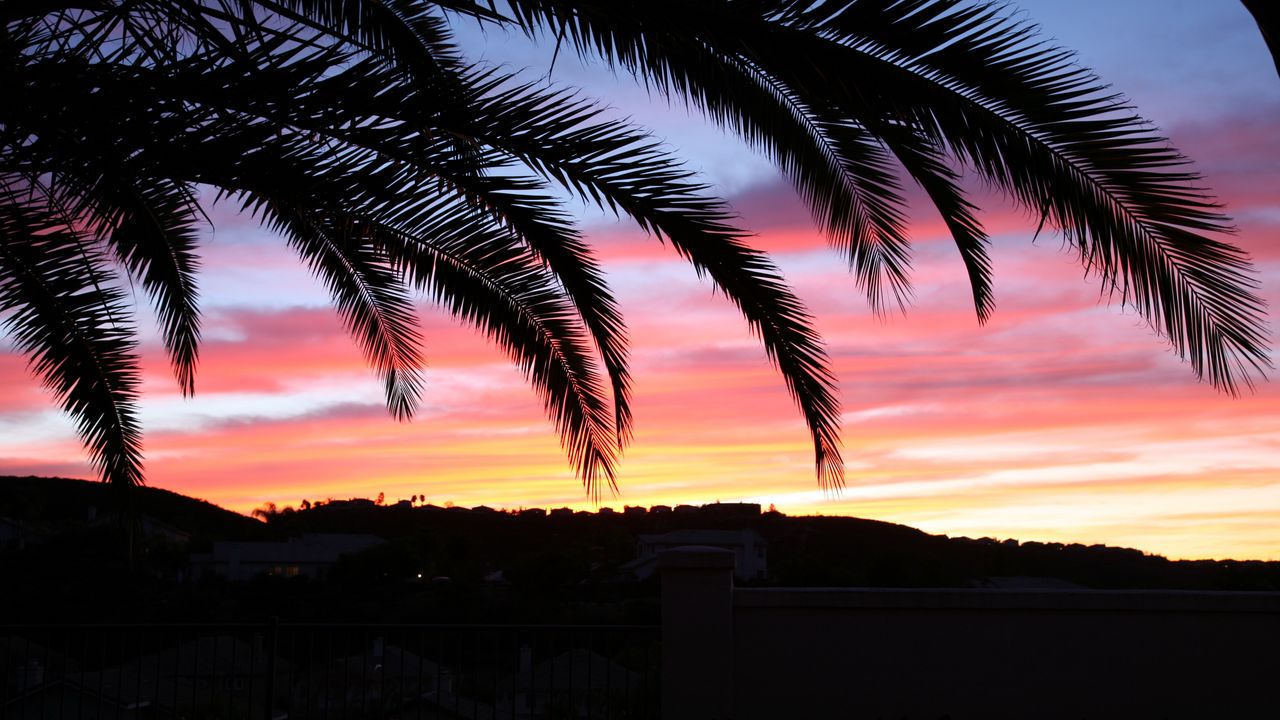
(905, 654)
(1001, 654)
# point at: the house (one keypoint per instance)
(187, 679)
(577, 683)
(68, 697)
(731, 511)
(750, 551)
(146, 526)
(311, 555)
(16, 534)
(228, 671)
(378, 679)
(27, 665)
(361, 503)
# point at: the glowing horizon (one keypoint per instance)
(1063, 419)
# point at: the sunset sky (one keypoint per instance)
(1063, 419)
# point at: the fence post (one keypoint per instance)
(697, 633)
(272, 644)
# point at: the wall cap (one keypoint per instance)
(696, 557)
(995, 599)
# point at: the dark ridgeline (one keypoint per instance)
(86, 633)
(404, 560)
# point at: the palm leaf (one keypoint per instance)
(154, 237)
(72, 331)
(357, 130)
(967, 80)
(369, 294)
(481, 274)
(623, 168)
(1057, 140)
(847, 181)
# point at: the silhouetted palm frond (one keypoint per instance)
(358, 131)
(944, 84)
(369, 294)
(483, 274)
(73, 328)
(616, 166)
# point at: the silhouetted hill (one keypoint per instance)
(483, 565)
(840, 551)
(77, 550)
(55, 505)
(538, 547)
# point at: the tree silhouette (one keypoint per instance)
(357, 131)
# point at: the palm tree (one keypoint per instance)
(1268, 19)
(356, 130)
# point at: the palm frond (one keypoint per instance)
(72, 331)
(155, 238)
(368, 292)
(357, 130)
(412, 186)
(1057, 140)
(966, 79)
(623, 168)
(929, 167)
(487, 176)
(535, 219)
(700, 234)
(847, 181)
(481, 273)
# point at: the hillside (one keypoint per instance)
(540, 547)
(51, 505)
(483, 565)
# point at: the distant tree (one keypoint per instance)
(306, 504)
(267, 512)
(382, 497)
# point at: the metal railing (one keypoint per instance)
(281, 671)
